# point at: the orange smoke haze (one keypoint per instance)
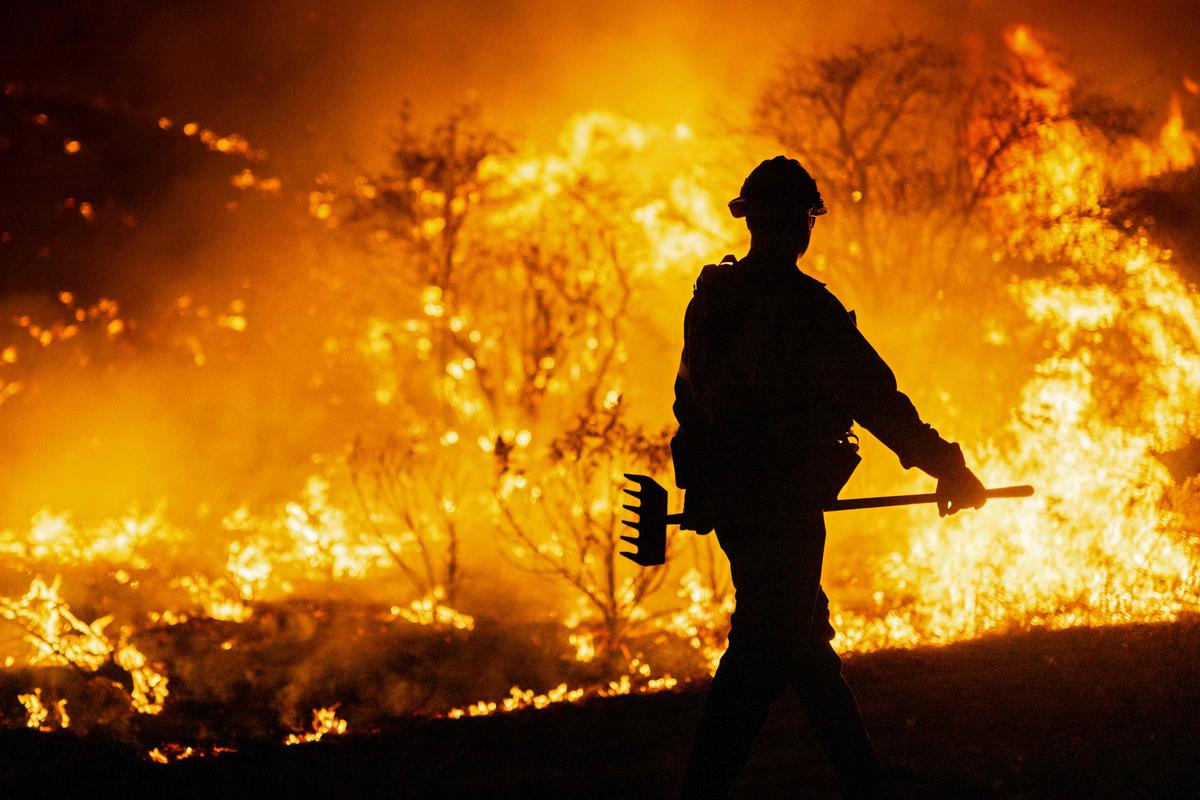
(316, 74)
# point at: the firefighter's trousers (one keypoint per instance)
(780, 637)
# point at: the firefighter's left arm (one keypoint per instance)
(866, 386)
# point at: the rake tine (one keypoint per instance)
(652, 520)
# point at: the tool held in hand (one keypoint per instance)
(652, 519)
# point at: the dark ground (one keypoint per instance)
(1087, 713)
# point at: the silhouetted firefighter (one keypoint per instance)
(773, 373)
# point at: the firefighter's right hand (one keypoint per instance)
(698, 513)
(958, 490)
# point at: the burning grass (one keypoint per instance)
(1100, 712)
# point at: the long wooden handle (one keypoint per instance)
(915, 499)
(886, 501)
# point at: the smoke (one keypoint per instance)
(310, 78)
(318, 84)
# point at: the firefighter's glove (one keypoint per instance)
(958, 490)
(699, 515)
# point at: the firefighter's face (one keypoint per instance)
(790, 229)
(797, 226)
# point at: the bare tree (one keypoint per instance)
(876, 124)
(416, 217)
(515, 296)
(907, 142)
(417, 210)
(566, 526)
(408, 496)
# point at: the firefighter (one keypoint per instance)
(773, 373)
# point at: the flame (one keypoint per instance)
(1051, 85)
(431, 610)
(702, 621)
(325, 722)
(174, 751)
(38, 713)
(149, 685)
(230, 144)
(1175, 150)
(246, 179)
(57, 637)
(637, 679)
(517, 699)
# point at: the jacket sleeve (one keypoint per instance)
(686, 443)
(866, 388)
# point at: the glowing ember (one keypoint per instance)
(168, 753)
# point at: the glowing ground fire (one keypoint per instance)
(396, 568)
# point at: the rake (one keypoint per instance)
(650, 543)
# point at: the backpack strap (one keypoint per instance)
(712, 274)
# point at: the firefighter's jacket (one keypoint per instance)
(773, 373)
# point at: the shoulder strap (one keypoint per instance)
(713, 274)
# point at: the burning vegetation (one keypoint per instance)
(371, 463)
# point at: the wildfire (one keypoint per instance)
(475, 329)
(1096, 546)
(701, 622)
(57, 636)
(517, 699)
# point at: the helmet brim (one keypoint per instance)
(740, 206)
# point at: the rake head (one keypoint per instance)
(650, 522)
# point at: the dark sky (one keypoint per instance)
(322, 78)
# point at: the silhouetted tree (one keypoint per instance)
(564, 522)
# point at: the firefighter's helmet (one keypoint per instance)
(776, 185)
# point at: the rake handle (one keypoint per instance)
(887, 501)
(915, 499)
